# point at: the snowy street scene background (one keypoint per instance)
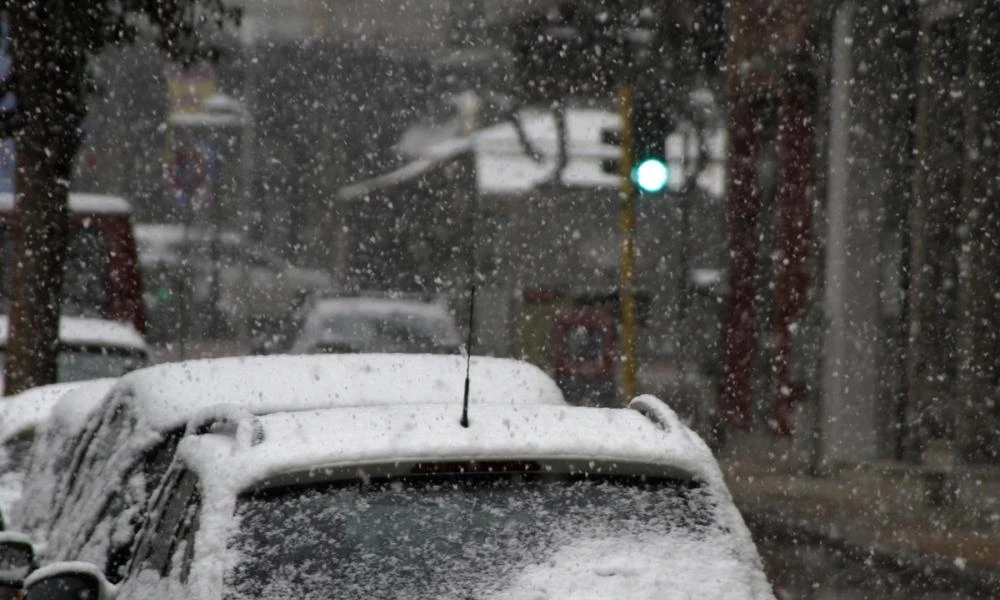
(808, 280)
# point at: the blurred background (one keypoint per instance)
(814, 288)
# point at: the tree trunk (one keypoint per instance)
(50, 101)
(979, 331)
(933, 269)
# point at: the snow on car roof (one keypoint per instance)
(81, 203)
(168, 394)
(330, 438)
(84, 331)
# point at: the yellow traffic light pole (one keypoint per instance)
(627, 288)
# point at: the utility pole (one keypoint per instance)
(627, 192)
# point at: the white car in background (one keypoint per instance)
(91, 348)
(85, 500)
(377, 324)
(524, 501)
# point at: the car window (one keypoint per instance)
(111, 536)
(47, 473)
(166, 543)
(80, 448)
(16, 449)
(79, 363)
(449, 536)
(15, 453)
(84, 475)
(358, 330)
(117, 423)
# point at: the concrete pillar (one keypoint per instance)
(848, 427)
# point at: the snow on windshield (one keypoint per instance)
(482, 537)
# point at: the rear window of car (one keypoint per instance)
(82, 363)
(448, 536)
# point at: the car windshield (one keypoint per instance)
(440, 537)
(385, 332)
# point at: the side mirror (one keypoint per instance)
(17, 561)
(68, 581)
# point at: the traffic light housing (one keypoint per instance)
(650, 124)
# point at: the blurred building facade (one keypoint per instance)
(860, 237)
(895, 353)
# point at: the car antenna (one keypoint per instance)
(468, 355)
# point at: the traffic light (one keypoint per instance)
(649, 135)
(651, 175)
(650, 172)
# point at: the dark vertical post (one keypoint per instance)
(794, 223)
(979, 307)
(739, 341)
(628, 211)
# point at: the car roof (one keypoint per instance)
(284, 444)
(167, 395)
(81, 203)
(85, 331)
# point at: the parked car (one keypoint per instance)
(91, 348)
(101, 276)
(85, 500)
(529, 501)
(370, 324)
(255, 288)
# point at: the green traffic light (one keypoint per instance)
(651, 175)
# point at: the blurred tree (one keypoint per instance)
(978, 386)
(51, 45)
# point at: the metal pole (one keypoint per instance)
(627, 292)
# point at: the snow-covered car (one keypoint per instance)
(254, 284)
(367, 324)
(532, 501)
(28, 416)
(91, 348)
(85, 501)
